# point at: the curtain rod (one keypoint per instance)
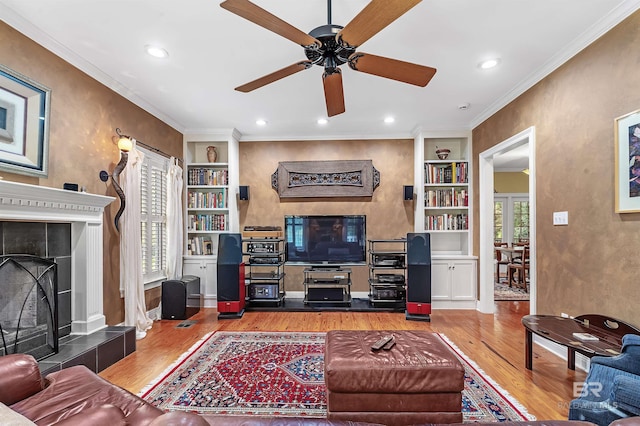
(157, 151)
(152, 148)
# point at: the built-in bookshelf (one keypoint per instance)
(210, 208)
(207, 197)
(443, 211)
(446, 195)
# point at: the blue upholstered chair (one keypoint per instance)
(612, 388)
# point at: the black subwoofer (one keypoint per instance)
(180, 298)
(325, 294)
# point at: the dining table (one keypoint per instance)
(512, 252)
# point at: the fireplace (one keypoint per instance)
(66, 227)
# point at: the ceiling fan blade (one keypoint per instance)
(372, 19)
(394, 69)
(274, 76)
(259, 16)
(333, 93)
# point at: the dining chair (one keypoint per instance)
(501, 259)
(519, 266)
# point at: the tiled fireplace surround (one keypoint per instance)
(68, 226)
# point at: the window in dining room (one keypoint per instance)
(511, 218)
(520, 220)
(498, 221)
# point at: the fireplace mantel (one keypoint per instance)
(24, 202)
(85, 212)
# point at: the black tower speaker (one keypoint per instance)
(230, 276)
(180, 298)
(244, 192)
(418, 276)
(230, 249)
(408, 192)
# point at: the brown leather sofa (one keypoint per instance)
(77, 396)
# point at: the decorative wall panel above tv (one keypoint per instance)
(309, 179)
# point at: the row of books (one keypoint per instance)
(446, 172)
(207, 200)
(199, 246)
(204, 176)
(447, 222)
(449, 197)
(207, 222)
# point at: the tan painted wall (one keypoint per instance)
(388, 215)
(511, 182)
(590, 266)
(84, 115)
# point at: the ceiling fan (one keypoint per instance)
(331, 45)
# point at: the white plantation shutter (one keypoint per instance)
(153, 190)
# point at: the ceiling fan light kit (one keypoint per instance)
(331, 46)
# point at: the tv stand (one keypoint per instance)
(327, 284)
(326, 267)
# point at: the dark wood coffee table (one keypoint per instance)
(609, 332)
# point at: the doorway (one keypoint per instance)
(486, 215)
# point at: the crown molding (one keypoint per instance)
(15, 20)
(613, 18)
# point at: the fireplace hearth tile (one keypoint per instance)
(25, 237)
(97, 350)
(58, 239)
(64, 273)
(110, 352)
(129, 338)
(64, 310)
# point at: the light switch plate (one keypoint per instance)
(560, 218)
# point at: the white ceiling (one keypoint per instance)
(212, 51)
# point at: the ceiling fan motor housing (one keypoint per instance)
(330, 54)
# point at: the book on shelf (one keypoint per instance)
(447, 222)
(207, 176)
(208, 222)
(446, 197)
(454, 172)
(207, 199)
(197, 246)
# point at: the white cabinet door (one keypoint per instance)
(453, 279)
(440, 280)
(463, 279)
(206, 269)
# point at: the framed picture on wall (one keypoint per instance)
(24, 124)
(627, 146)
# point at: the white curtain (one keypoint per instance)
(131, 283)
(174, 220)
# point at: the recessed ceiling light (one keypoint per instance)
(322, 121)
(261, 122)
(389, 120)
(156, 52)
(489, 63)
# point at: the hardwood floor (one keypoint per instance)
(494, 342)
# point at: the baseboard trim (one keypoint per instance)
(582, 362)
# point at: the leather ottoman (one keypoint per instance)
(419, 380)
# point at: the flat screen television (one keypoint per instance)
(318, 240)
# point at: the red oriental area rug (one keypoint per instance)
(281, 374)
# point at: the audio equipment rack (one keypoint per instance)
(264, 262)
(387, 277)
